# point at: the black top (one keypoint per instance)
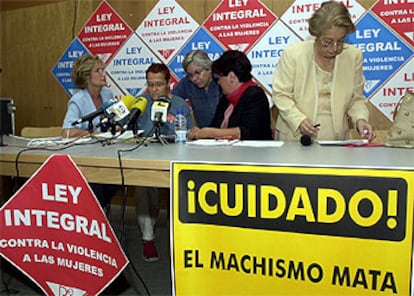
(252, 115)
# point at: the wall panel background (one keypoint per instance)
(34, 35)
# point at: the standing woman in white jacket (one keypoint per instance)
(318, 84)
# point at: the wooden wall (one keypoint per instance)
(34, 35)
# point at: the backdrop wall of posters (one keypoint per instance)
(36, 35)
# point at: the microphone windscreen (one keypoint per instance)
(159, 110)
(140, 104)
(306, 140)
(164, 99)
(128, 101)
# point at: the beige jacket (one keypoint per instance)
(295, 92)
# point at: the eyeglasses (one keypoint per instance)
(330, 43)
(196, 73)
(156, 84)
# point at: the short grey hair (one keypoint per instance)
(198, 57)
(330, 14)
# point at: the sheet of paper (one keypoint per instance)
(259, 144)
(354, 142)
(236, 143)
(124, 136)
(211, 142)
(53, 141)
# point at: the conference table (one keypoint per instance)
(150, 164)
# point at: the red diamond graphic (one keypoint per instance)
(104, 32)
(54, 230)
(166, 52)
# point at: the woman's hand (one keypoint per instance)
(192, 134)
(204, 133)
(365, 130)
(307, 127)
(214, 133)
(74, 133)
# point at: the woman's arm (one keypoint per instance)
(73, 132)
(283, 90)
(214, 133)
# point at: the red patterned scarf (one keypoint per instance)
(233, 99)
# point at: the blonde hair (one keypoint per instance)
(330, 14)
(82, 69)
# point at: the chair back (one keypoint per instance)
(41, 132)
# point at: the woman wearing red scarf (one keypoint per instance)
(243, 111)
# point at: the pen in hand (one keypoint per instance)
(308, 127)
(315, 129)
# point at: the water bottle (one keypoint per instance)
(180, 126)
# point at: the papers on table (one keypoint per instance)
(54, 141)
(354, 142)
(211, 142)
(259, 144)
(128, 134)
(238, 143)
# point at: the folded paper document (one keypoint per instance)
(354, 142)
(238, 143)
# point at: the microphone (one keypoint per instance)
(159, 109)
(120, 110)
(306, 140)
(136, 110)
(128, 100)
(112, 108)
(98, 112)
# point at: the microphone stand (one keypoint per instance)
(90, 126)
(134, 130)
(132, 124)
(113, 127)
(1, 140)
(158, 133)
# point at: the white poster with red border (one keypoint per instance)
(266, 53)
(129, 65)
(166, 29)
(387, 98)
(238, 24)
(54, 230)
(296, 17)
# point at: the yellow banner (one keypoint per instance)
(269, 230)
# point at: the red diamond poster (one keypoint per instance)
(238, 24)
(399, 15)
(104, 32)
(54, 230)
